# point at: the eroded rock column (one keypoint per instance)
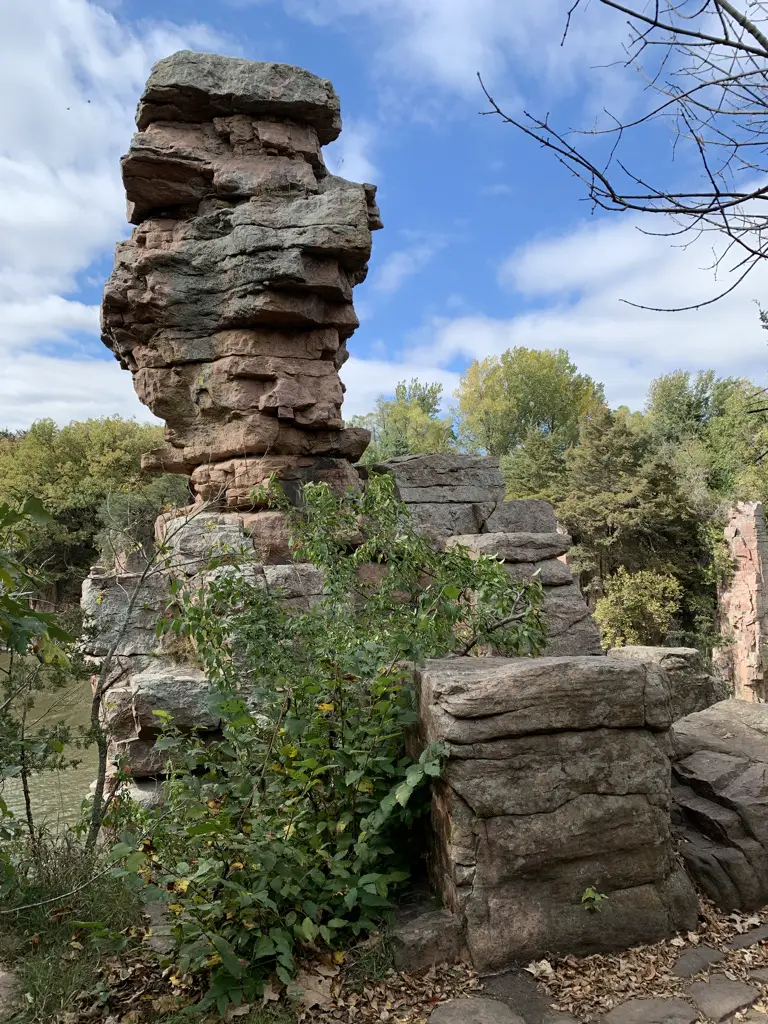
(231, 302)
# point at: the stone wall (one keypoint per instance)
(557, 779)
(743, 605)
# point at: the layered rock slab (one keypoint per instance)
(720, 767)
(556, 779)
(459, 500)
(231, 302)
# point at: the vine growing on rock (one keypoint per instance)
(290, 832)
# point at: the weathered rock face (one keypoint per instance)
(720, 769)
(231, 303)
(459, 500)
(556, 779)
(692, 687)
(743, 605)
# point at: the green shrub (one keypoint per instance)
(291, 832)
(638, 608)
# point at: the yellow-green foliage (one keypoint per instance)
(638, 608)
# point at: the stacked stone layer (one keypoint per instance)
(720, 771)
(459, 500)
(556, 780)
(231, 303)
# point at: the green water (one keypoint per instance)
(56, 796)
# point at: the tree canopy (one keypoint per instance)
(408, 424)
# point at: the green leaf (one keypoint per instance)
(227, 954)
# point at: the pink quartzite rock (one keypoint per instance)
(231, 302)
(743, 605)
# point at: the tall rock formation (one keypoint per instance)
(743, 605)
(231, 302)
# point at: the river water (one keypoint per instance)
(56, 796)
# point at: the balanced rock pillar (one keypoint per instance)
(231, 302)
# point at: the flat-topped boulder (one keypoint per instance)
(192, 86)
(556, 779)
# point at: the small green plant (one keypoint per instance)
(291, 833)
(592, 900)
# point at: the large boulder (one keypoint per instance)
(692, 685)
(556, 780)
(720, 770)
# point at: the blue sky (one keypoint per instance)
(487, 242)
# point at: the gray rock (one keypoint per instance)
(431, 938)
(555, 780)
(474, 700)
(580, 638)
(551, 572)
(721, 765)
(760, 976)
(571, 630)
(191, 542)
(719, 998)
(147, 793)
(458, 479)
(750, 938)
(652, 1011)
(693, 687)
(474, 1010)
(695, 960)
(8, 989)
(122, 613)
(300, 580)
(444, 519)
(181, 690)
(519, 991)
(514, 547)
(521, 517)
(190, 86)
(159, 935)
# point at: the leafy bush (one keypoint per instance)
(291, 831)
(638, 608)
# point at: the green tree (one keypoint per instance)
(505, 399)
(73, 470)
(626, 511)
(408, 424)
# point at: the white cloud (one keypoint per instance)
(33, 386)
(350, 155)
(398, 266)
(366, 379)
(70, 75)
(579, 281)
(446, 42)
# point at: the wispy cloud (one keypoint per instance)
(351, 156)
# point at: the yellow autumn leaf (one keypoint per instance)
(338, 957)
(175, 908)
(325, 707)
(236, 866)
(340, 826)
(175, 980)
(181, 884)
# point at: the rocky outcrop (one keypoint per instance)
(231, 302)
(692, 687)
(556, 780)
(459, 500)
(720, 769)
(743, 605)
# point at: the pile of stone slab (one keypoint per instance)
(231, 302)
(557, 781)
(720, 794)
(459, 500)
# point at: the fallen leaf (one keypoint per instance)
(311, 990)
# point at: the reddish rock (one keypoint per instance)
(743, 605)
